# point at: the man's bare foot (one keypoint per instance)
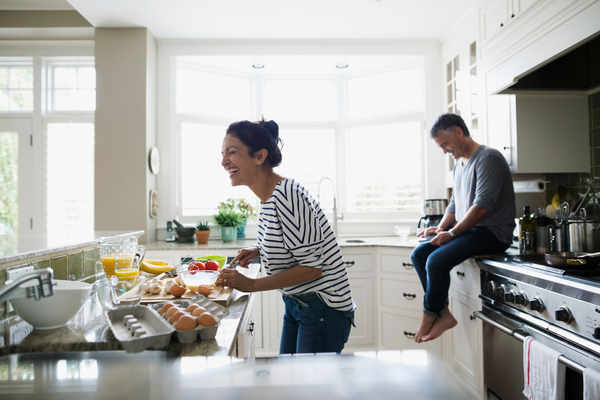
(440, 326)
(426, 325)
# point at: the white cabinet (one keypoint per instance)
(540, 133)
(497, 14)
(463, 347)
(400, 302)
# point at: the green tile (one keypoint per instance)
(587, 179)
(562, 179)
(595, 119)
(595, 137)
(596, 157)
(90, 279)
(60, 267)
(98, 265)
(574, 179)
(551, 178)
(2, 303)
(43, 264)
(75, 266)
(595, 101)
(89, 262)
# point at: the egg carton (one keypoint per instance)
(139, 328)
(202, 332)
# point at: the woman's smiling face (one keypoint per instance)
(241, 166)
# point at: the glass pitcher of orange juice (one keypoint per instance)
(121, 257)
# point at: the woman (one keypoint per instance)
(295, 242)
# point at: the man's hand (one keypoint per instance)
(431, 231)
(441, 239)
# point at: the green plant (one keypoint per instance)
(203, 226)
(240, 206)
(228, 219)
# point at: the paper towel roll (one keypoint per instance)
(529, 186)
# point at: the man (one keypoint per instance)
(479, 220)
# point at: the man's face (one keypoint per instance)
(451, 141)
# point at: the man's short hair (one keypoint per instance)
(447, 123)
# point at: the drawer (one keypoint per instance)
(466, 274)
(397, 263)
(403, 294)
(399, 332)
(359, 262)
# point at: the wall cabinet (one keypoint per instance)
(497, 14)
(540, 133)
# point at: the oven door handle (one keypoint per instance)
(564, 360)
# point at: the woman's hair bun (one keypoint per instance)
(272, 127)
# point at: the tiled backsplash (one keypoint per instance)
(577, 184)
(80, 265)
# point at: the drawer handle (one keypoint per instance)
(460, 274)
(409, 296)
(407, 265)
(349, 264)
(251, 329)
(410, 335)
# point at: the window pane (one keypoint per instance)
(86, 99)
(3, 78)
(70, 179)
(3, 99)
(87, 78)
(9, 182)
(391, 179)
(65, 78)
(299, 100)
(21, 78)
(73, 88)
(21, 100)
(204, 182)
(307, 163)
(65, 99)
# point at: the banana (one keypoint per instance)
(154, 262)
(154, 269)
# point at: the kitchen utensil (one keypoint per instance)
(213, 257)
(582, 236)
(402, 231)
(121, 256)
(193, 279)
(113, 294)
(232, 266)
(572, 260)
(182, 266)
(582, 202)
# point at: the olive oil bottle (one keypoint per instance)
(527, 228)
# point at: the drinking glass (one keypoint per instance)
(121, 257)
(402, 231)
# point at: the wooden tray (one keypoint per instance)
(219, 295)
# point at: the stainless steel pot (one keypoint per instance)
(434, 206)
(583, 236)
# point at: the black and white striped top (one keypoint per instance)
(293, 230)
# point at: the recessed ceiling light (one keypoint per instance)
(258, 66)
(341, 65)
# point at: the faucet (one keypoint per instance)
(335, 215)
(11, 289)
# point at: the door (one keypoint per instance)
(16, 176)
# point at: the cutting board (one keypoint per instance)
(219, 295)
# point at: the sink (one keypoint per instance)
(355, 241)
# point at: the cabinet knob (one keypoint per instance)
(410, 335)
(472, 317)
(251, 328)
(349, 264)
(460, 274)
(506, 148)
(501, 25)
(512, 16)
(409, 296)
(407, 265)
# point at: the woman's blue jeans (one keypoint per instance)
(433, 264)
(310, 326)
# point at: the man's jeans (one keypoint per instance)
(310, 326)
(433, 264)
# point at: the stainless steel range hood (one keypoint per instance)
(576, 70)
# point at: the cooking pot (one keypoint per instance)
(434, 206)
(582, 236)
(572, 260)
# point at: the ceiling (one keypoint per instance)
(267, 19)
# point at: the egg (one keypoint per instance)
(175, 317)
(165, 307)
(192, 307)
(204, 290)
(207, 319)
(186, 322)
(171, 311)
(177, 290)
(199, 311)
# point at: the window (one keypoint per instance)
(299, 99)
(16, 88)
(9, 184)
(72, 87)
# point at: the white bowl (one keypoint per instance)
(56, 310)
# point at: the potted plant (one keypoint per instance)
(228, 221)
(202, 232)
(242, 207)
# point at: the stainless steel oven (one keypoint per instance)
(524, 298)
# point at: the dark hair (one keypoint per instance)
(447, 123)
(259, 135)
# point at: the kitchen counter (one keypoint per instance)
(410, 374)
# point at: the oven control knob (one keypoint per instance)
(500, 290)
(491, 287)
(521, 299)
(563, 314)
(536, 304)
(509, 296)
(596, 333)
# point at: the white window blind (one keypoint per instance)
(70, 178)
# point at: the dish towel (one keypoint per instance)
(544, 375)
(591, 384)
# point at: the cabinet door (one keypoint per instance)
(403, 294)
(362, 292)
(465, 350)
(399, 333)
(493, 18)
(499, 124)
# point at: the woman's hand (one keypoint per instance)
(245, 256)
(233, 279)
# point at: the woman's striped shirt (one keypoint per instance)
(293, 230)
